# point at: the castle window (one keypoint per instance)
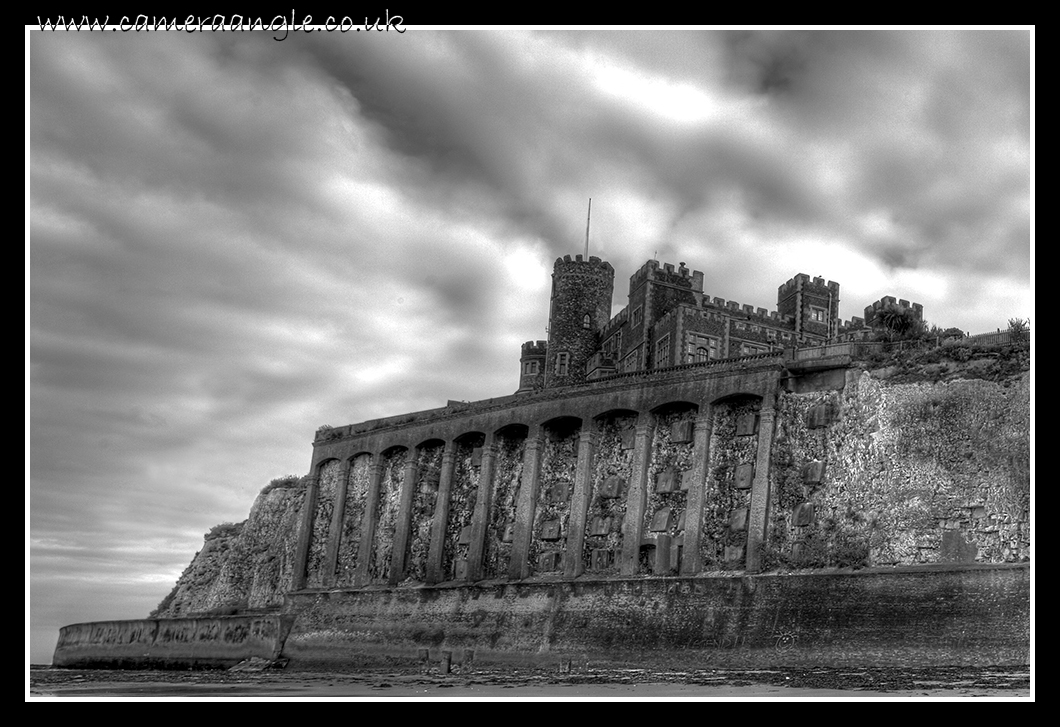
(587, 321)
(771, 334)
(662, 352)
(702, 347)
(636, 316)
(531, 367)
(631, 362)
(817, 314)
(562, 363)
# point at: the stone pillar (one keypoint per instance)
(309, 507)
(519, 567)
(480, 518)
(404, 516)
(633, 522)
(335, 532)
(436, 554)
(757, 516)
(690, 560)
(573, 565)
(371, 507)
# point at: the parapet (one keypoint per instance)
(534, 348)
(789, 287)
(579, 266)
(917, 308)
(647, 271)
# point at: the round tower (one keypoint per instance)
(580, 308)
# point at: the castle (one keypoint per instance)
(670, 321)
(691, 481)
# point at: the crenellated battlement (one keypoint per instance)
(534, 348)
(802, 280)
(578, 266)
(652, 270)
(890, 300)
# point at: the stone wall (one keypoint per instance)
(171, 643)
(902, 474)
(894, 617)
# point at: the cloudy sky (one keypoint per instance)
(232, 240)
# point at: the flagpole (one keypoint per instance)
(587, 218)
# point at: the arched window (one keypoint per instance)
(702, 354)
(587, 321)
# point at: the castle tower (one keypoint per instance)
(532, 366)
(814, 304)
(580, 307)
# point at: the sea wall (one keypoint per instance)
(210, 642)
(941, 615)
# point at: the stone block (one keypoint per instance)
(813, 472)
(681, 432)
(661, 564)
(956, 548)
(509, 533)
(747, 425)
(803, 515)
(550, 561)
(460, 569)
(681, 520)
(550, 530)
(738, 519)
(820, 416)
(465, 536)
(629, 438)
(600, 526)
(612, 487)
(476, 457)
(734, 555)
(744, 476)
(662, 520)
(666, 481)
(600, 559)
(559, 492)
(685, 480)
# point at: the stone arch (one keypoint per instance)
(733, 454)
(428, 454)
(468, 450)
(551, 513)
(354, 520)
(671, 472)
(385, 513)
(505, 482)
(328, 473)
(609, 481)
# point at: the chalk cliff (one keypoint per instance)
(244, 566)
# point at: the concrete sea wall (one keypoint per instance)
(926, 615)
(220, 641)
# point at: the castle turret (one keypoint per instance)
(580, 308)
(532, 366)
(814, 304)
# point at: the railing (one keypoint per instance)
(711, 363)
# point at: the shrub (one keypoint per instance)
(281, 482)
(225, 530)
